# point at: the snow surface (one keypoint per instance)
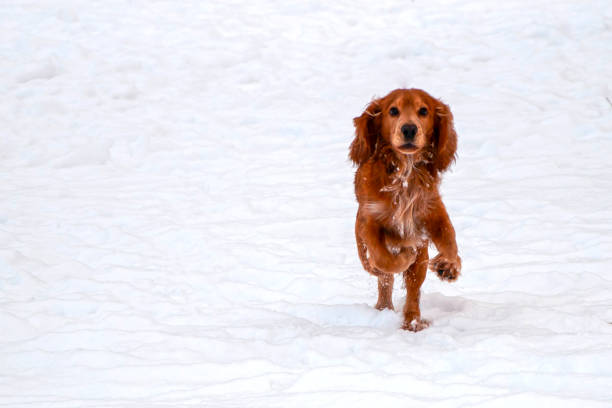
(176, 227)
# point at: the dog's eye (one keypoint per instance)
(393, 111)
(423, 111)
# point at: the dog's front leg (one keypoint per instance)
(379, 255)
(413, 279)
(447, 264)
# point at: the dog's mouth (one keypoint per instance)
(408, 148)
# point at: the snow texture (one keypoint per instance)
(176, 227)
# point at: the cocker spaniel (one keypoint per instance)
(403, 143)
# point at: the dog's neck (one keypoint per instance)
(404, 171)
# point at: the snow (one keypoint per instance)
(177, 219)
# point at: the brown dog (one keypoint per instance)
(403, 142)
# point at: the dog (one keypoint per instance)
(403, 143)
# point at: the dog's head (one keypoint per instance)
(412, 122)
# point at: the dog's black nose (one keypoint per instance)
(409, 130)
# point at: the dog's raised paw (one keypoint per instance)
(447, 269)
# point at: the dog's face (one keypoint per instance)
(412, 122)
(407, 120)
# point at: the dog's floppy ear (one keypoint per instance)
(367, 130)
(445, 137)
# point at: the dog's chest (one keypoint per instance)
(406, 201)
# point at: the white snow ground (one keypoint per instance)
(176, 223)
